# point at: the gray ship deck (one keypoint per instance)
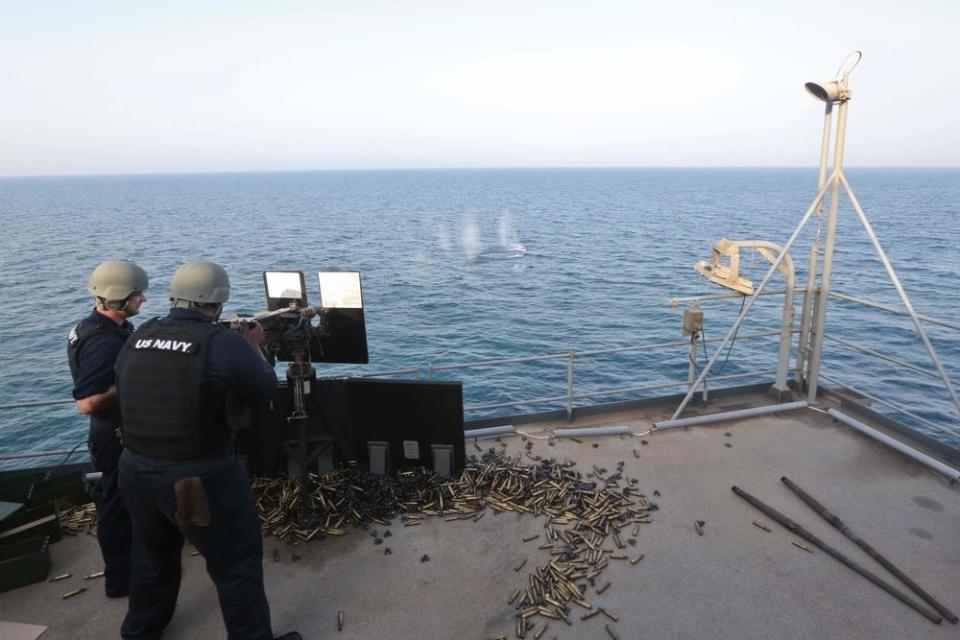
(735, 581)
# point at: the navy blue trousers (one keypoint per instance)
(114, 531)
(232, 544)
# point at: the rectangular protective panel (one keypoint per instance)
(284, 288)
(402, 412)
(344, 338)
(354, 411)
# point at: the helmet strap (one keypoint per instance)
(209, 309)
(111, 305)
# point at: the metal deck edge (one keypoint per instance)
(941, 449)
(611, 407)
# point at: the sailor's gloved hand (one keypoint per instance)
(253, 332)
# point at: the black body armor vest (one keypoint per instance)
(78, 335)
(170, 410)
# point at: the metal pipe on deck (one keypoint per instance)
(814, 540)
(729, 415)
(587, 432)
(490, 432)
(839, 525)
(910, 452)
(890, 405)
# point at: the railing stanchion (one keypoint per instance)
(692, 365)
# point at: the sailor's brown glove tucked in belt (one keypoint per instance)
(192, 507)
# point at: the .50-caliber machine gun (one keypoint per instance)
(300, 335)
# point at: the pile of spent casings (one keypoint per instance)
(581, 516)
(79, 519)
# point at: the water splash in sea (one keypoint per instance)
(443, 236)
(508, 236)
(472, 246)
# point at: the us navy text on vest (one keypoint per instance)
(164, 344)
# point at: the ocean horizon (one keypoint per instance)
(466, 264)
(572, 167)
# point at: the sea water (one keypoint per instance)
(460, 266)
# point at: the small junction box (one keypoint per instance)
(692, 321)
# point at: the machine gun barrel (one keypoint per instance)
(268, 318)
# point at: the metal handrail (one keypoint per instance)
(568, 398)
(876, 305)
(678, 343)
(488, 363)
(664, 385)
(881, 356)
(558, 356)
(610, 392)
(518, 403)
(942, 374)
(38, 454)
(38, 403)
(46, 403)
(893, 406)
(570, 357)
(674, 302)
(377, 374)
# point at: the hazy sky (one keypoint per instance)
(129, 87)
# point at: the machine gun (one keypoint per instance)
(288, 332)
(300, 335)
(333, 332)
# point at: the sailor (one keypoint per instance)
(92, 347)
(183, 382)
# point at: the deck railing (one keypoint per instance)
(953, 431)
(572, 357)
(568, 399)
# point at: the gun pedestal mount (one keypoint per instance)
(300, 374)
(299, 334)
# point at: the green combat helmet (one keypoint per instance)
(116, 280)
(201, 283)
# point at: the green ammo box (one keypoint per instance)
(29, 523)
(24, 562)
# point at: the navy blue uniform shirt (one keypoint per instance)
(96, 358)
(233, 363)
